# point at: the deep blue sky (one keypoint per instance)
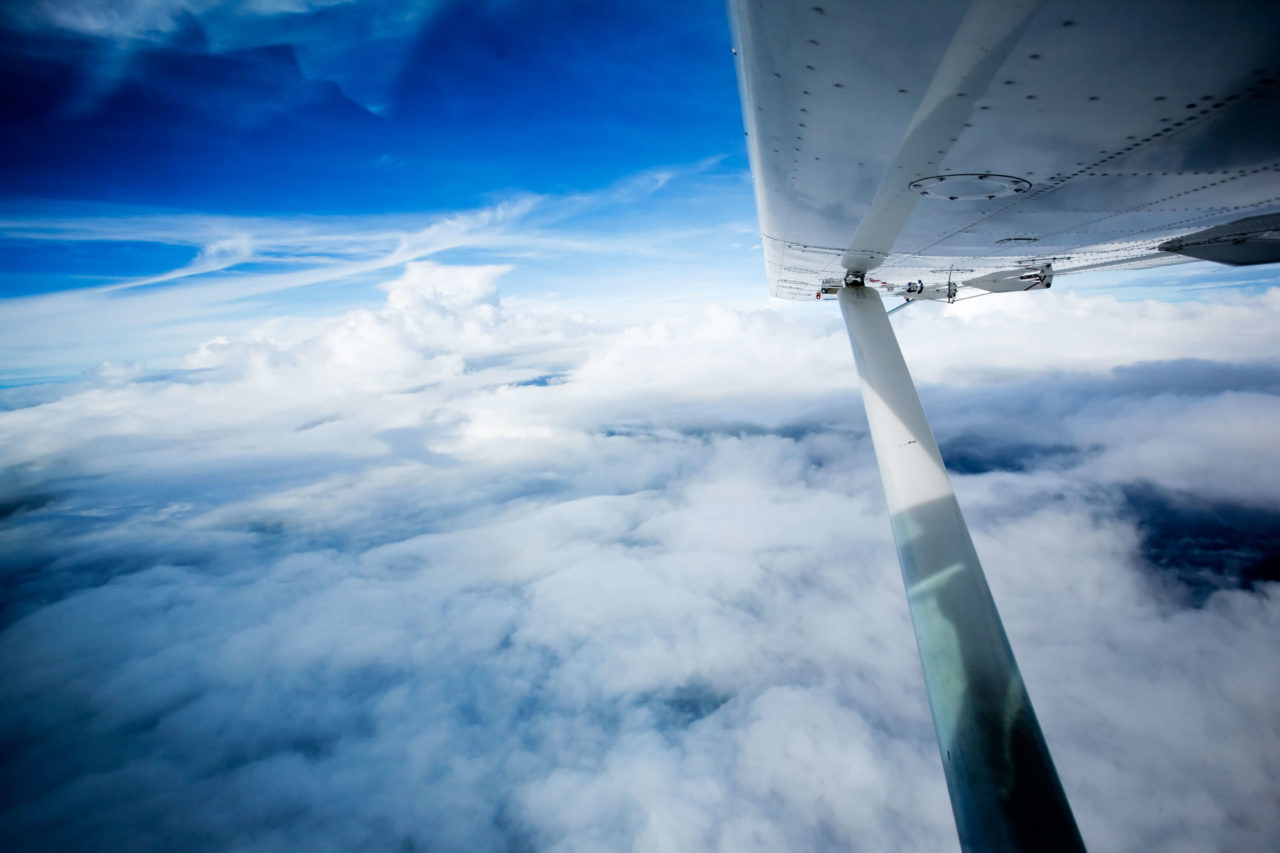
(362, 107)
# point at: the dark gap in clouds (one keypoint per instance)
(101, 528)
(970, 453)
(203, 482)
(416, 389)
(11, 505)
(646, 431)
(711, 431)
(801, 431)
(319, 422)
(705, 431)
(24, 396)
(1205, 545)
(544, 381)
(1196, 376)
(480, 364)
(411, 443)
(688, 704)
(1030, 409)
(97, 528)
(53, 556)
(313, 746)
(515, 834)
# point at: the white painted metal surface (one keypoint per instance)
(1134, 123)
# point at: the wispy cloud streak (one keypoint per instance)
(242, 265)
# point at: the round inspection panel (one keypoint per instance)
(969, 187)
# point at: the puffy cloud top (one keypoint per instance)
(463, 574)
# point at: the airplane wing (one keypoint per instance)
(921, 148)
(940, 142)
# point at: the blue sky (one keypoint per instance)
(347, 109)
(162, 145)
(399, 449)
(365, 108)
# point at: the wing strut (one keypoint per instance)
(1004, 789)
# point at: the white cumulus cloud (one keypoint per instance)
(462, 572)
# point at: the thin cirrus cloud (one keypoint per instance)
(464, 571)
(634, 239)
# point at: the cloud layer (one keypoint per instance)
(459, 573)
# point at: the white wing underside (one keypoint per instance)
(945, 141)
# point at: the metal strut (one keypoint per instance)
(1005, 792)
